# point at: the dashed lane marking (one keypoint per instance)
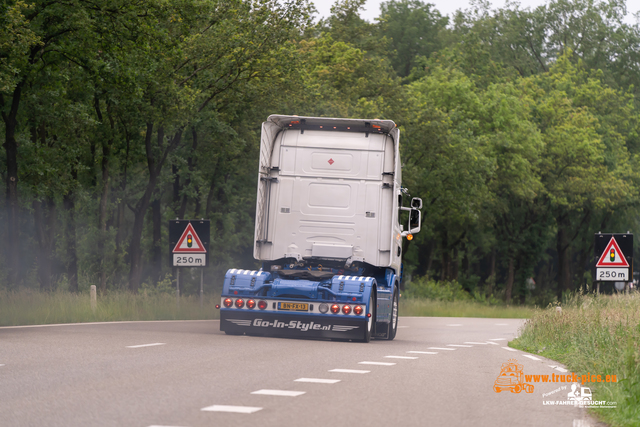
(349, 371)
(531, 357)
(377, 363)
(423, 352)
(455, 324)
(491, 342)
(400, 357)
(288, 393)
(509, 348)
(475, 343)
(497, 339)
(441, 348)
(146, 345)
(1, 364)
(458, 345)
(227, 408)
(561, 369)
(155, 425)
(317, 380)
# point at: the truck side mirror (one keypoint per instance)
(416, 203)
(414, 221)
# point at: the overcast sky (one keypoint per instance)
(447, 7)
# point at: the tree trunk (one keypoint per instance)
(491, 280)
(510, 280)
(104, 197)
(155, 167)
(564, 258)
(11, 148)
(70, 237)
(157, 236)
(44, 218)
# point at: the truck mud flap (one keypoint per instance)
(291, 325)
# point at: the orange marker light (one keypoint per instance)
(409, 236)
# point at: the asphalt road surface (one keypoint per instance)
(437, 372)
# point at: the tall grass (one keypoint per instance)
(427, 307)
(596, 334)
(35, 308)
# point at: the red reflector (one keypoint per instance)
(375, 126)
(251, 303)
(357, 310)
(335, 309)
(235, 292)
(368, 314)
(295, 122)
(228, 302)
(262, 305)
(239, 303)
(217, 305)
(353, 299)
(346, 309)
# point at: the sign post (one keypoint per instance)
(189, 246)
(613, 254)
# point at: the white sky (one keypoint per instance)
(448, 7)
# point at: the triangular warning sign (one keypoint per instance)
(612, 256)
(189, 242)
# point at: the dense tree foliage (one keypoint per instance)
(520, 130)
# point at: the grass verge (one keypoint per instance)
(427, 307)
(37, 308)
(598, 335)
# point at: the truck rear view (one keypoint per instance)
(327, 232)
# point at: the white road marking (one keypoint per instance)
(509, 348)
(561, 369)
(476, 343)
(402, 327)
(552, 366)
(2, 365)
(441, 348)
(497, 339)
(400, 357)
(349, 371)
(491, 342)
(227, 408)
(317, 380)
(289, 393)
(146, 345)
(458, 345)
(531, 357)
(423, 352)
(455, 324)
(163, 426)
(377, 363)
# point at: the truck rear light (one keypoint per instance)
(217, 305)
(251, 304)
(239, 303)
(335, 309)
(262, 305)
(357, 310)
(346, 309)
(228, 302)
(324, 307)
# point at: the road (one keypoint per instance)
(437, 372)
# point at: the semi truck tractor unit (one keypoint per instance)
(329, 227)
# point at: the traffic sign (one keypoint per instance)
(189, 242)
(614, 255)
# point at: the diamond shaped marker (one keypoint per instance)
(331, 161)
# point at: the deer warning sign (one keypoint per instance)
(189, 242)
(614, 257)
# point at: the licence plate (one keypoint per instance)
(293, 306)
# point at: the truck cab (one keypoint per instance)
(327, 232)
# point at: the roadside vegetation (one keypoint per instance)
(596, 334)
(27, 307)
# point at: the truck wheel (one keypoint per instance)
(368, 331)
(393, 325)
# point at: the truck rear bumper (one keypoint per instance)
(292, 324)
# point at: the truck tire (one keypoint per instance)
(393, 324)
(368, 330)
